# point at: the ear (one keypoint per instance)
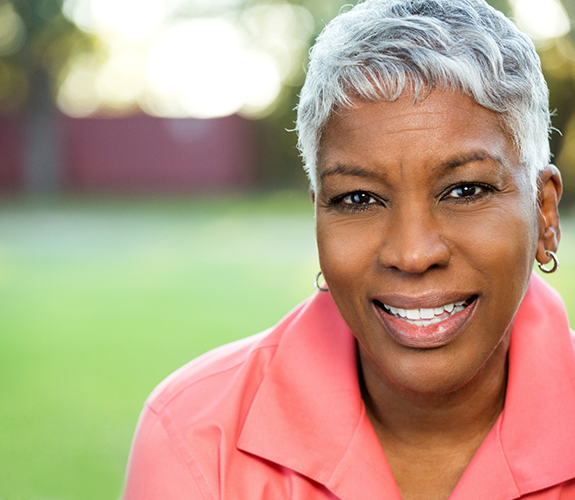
(549, 189)
(312, 193)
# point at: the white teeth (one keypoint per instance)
(413, 314)
(427, 314)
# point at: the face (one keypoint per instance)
(427, 234)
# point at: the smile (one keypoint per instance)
(426, 327)
(428, 316)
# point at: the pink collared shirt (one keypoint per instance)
(279, 416)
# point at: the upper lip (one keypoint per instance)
(428, 300)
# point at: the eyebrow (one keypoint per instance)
(451, 163)
(479, 155)
(343, 169)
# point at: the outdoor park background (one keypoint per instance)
(152, 206)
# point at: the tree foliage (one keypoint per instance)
(43, 41)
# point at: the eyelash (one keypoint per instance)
(338, 201)
(485, 191)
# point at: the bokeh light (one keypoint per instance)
(541, 19)
(12, 29)
(154, 58)
(202, 68)
(137, 19)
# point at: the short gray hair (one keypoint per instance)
(379, 47)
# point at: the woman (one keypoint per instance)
(436, 365)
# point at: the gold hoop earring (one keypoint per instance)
(555, 263)
(316, 284)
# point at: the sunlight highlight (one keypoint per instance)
(541, 19)
(173, 65)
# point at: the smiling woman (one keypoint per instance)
(427, 243)
(440, 213)
(436, 365)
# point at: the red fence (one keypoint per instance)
(140, 154)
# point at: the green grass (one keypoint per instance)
(100, 300)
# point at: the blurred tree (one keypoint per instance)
(36, 42)
(559, 68)
(280, 165)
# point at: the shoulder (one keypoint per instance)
(213, 369)
(186, 430)
(219, 379)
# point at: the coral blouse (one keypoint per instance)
(279, 416)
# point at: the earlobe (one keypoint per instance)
(549, 189)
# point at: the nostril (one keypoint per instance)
(414, 254)
(416, 264)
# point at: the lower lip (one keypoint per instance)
(426, 337)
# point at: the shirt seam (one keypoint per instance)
(507, 464)
(157, 408)
(356, 430)
(191, 460)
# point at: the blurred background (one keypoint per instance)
(153, 206)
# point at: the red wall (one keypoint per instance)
(141, 154)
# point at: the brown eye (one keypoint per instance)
(466, 191)
(359, 198)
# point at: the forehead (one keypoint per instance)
(442, 126)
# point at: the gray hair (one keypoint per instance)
(378, 48)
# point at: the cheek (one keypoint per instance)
(347, 248)
(504, 239)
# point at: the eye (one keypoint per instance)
(356, 201)
(359, 198)
(468, 192)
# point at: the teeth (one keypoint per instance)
(427, 314)
(426, 323)
(413, 314)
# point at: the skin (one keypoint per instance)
(418, 205)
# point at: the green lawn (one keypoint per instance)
(100, 300)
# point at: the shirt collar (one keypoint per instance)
(537, 424)
(308, 414)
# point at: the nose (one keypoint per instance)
(413, 242)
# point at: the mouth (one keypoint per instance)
(426, 327)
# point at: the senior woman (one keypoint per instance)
(431, 364)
